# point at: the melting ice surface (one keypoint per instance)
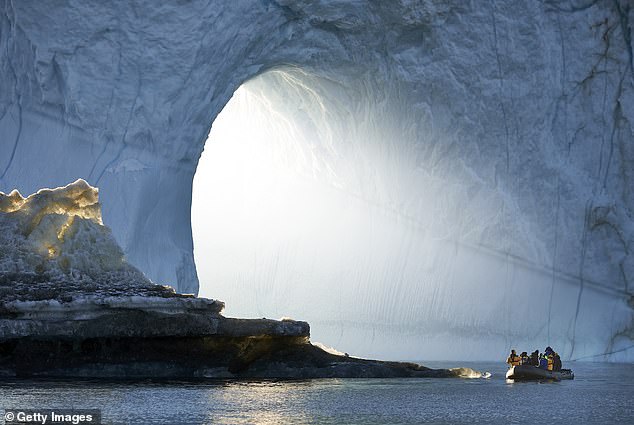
(351, 225)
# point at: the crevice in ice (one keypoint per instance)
(509, 276)
(575, 137)
(501, 80)
(564, 99)
(601, 66)
(625, 334)
(624, 18)
(605, 354)
(604, 28)
(600, 217)
(616, 117)
(584, 247)
(16, 141)
(603, 57)
(107, 139)
(4, 111)
(125, 133)
(556, 4)
(626, 282)
(554, 261)
(20, 112)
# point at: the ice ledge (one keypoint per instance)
(90, 306)
(93, 316)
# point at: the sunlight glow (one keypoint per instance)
(335, 205)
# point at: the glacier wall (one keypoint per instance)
(504, 131)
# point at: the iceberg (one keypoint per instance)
(515, 121)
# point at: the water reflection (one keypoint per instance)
(606, 391)
(262, 403)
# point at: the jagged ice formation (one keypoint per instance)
(504, 127)
(56, 237)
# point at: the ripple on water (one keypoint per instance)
(600, 393)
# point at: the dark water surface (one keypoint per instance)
(600, 393)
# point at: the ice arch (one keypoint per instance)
(523, 108)
(325, 201)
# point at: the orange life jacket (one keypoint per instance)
(514, 360)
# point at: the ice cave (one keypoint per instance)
(418, 179)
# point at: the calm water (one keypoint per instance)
(600, 393)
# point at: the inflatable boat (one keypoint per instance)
(528, 372)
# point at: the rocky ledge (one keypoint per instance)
(72, 306)
(167, 336)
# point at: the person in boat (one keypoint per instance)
(535, 358)
(513, 359)
(556, 362)
(550, 358)
(543, 361)
(524, 359)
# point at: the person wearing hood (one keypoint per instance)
(556, 362)
(550, 358)
(535, 358)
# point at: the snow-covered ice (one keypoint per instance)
(57, 236)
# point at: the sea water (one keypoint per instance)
(600, 393)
